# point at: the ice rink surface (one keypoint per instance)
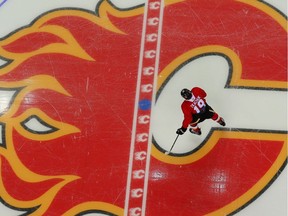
(90, 102)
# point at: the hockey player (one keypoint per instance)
(196, 110)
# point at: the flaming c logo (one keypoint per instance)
(70, 97)
(231, 167)
(66, 109)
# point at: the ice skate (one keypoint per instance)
(195, 131)
(221, 121)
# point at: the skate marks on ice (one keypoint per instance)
(219, 71)
(216, 98)
(27, 11)
(84, 87)
(244, 109)
(30, 10)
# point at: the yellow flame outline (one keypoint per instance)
(26, 86)
(236, 80)
(70, 47)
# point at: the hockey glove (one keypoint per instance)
(181, 130)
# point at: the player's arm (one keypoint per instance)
(197, 91)
(187, 120)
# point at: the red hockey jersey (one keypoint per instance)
(195, 105)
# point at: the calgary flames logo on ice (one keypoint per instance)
(60, 150)
(69, 97)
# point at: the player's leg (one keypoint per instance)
(218, 119)
(194, 127)
(214, 116)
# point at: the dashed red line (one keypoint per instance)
(137, 181)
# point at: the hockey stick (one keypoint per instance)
(168, 152)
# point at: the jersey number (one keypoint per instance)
(199, 106)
